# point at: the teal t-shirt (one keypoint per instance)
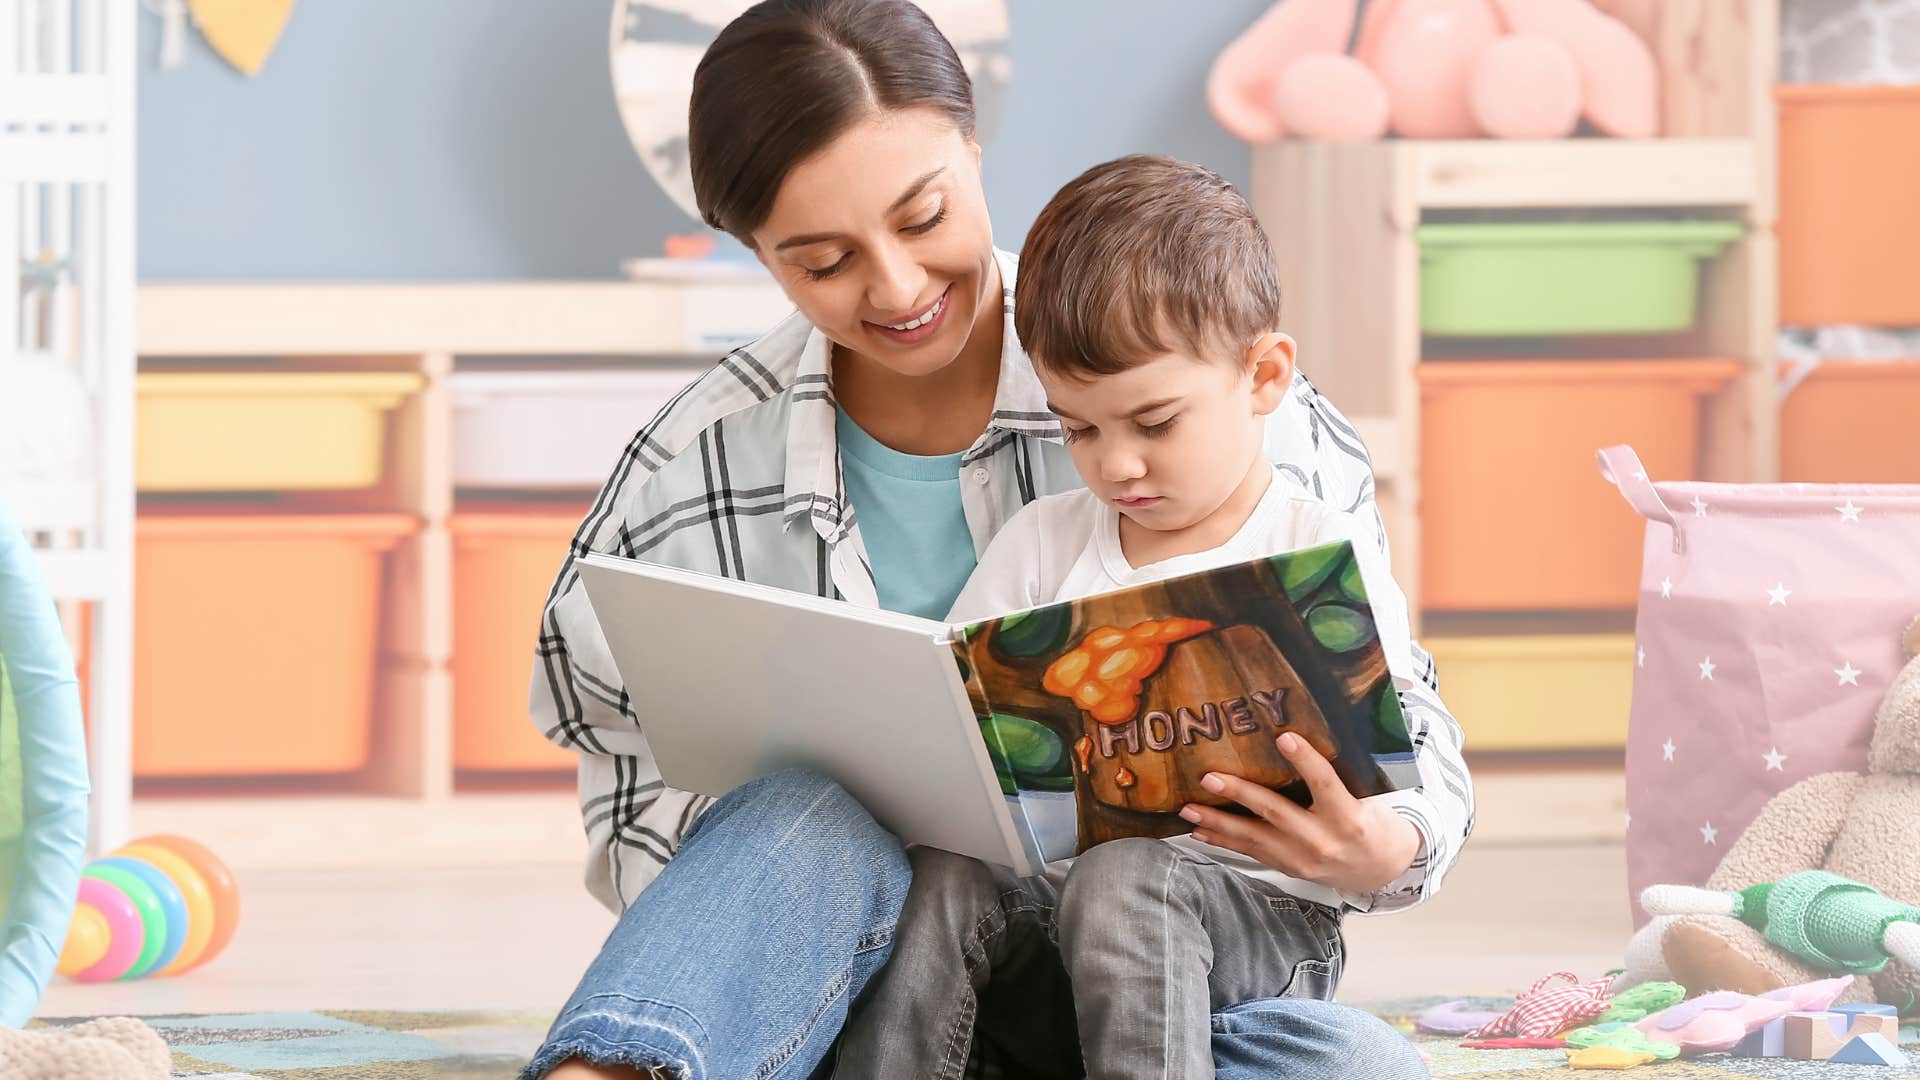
(912, 521)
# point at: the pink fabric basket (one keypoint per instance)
(1769, 628)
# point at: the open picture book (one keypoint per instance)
(1022, 739)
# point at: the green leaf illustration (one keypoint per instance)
(1026, 754)
(1351, 584)
(1339, 627)
(1034, 633)
(1304, 571)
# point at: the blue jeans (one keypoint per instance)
(740, 960)
(1287, 1037)
(1111, 969)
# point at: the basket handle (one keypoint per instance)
(1621, 467)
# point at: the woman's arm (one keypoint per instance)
(1312, 440)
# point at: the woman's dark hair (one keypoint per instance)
(788, 76)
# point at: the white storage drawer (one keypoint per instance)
(553, 429)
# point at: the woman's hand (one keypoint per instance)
(1348, 844)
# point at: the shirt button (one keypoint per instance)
(982, 474)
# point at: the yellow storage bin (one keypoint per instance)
(1538, 691)
(264, 431)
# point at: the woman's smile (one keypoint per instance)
(918, 326)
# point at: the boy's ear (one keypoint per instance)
(1270, 362)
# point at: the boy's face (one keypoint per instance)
(1167, 441)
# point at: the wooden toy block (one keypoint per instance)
(1816, 1036)
(1871, 1049)
(1866, 1008)
(1769, 1041)
(1887, 1027)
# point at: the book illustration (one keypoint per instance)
(1101, 715)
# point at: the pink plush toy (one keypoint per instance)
(1437, 69)
(1242, 85)
(1718, 1021)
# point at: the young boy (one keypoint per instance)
(1148, 303)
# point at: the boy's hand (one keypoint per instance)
(1344, 843)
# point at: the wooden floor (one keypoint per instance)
(516, 937)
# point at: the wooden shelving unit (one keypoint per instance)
(1343, 220)
(430, 330)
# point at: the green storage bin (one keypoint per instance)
(1547, 280)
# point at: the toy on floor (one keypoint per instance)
(1870, 1049)
(1514, 1044)
(117, 1049)
(43, 779)
(1620, 1035)
(1608, 1057)
(1854, 826)
(1723, 1019)
(1435, 69)
(1824, 1036)
(158, 906)
(1823, 919)
(1640, 1002)
(1546, 1010)
(1453, 1018)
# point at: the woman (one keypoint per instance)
(866, 448)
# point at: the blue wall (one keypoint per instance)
(470, 139)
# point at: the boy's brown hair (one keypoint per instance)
(1139, 257)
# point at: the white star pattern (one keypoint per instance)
(1776, 761)
(1778, 595)
(1699, 507)
(1629, 821)
(1706, 669)
(1666, 587)
(1667, 748)
(1849, 675)
(1708, 832)
(1641, 659)
(1849, 512)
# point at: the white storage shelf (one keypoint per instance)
(551, 382)
(552, 430)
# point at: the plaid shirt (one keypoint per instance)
(740, 476)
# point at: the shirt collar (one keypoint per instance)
(815, 487)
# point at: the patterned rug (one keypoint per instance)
(351, 1045)
(492, 1046)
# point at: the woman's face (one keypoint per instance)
(882, 240)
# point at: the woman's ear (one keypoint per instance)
(1270, 361)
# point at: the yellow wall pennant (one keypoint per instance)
(242, 31)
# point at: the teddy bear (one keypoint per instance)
(120, 1048)
(1439, 69)
(1827, 878)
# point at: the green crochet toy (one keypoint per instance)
(1828, 921)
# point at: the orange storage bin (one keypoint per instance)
(1514, 515)
(1853, 422)
(1849, 220)
(504, 560)
(255, 638)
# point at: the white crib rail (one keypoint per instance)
(66, 305)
